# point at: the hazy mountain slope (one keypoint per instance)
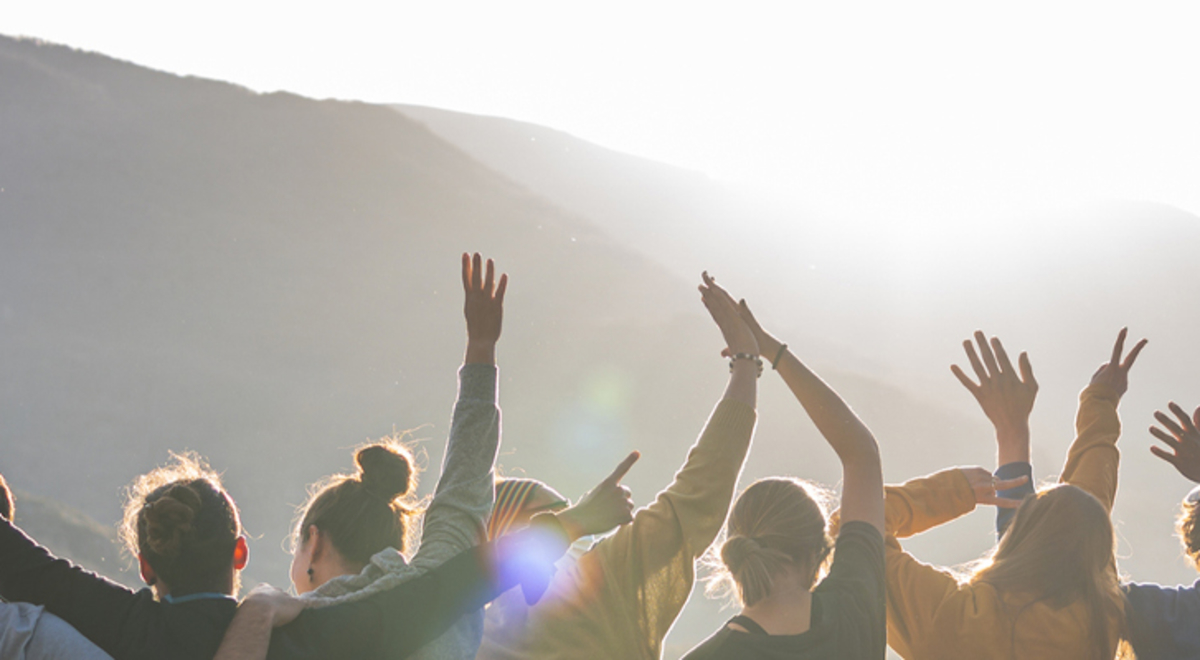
(895, 301)
(69, 532)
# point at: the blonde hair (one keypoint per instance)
(776, 524)
(1188, 526)
(180, 520)
(1060, 550)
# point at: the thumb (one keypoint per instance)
(623, 468)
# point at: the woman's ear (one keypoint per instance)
(316, 544)
(241, 553)
(147, 571)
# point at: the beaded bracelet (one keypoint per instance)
(746, 356)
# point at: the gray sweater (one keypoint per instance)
(455, 520)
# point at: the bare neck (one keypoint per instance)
(787, 611)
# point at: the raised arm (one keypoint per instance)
(862, 475)
(462, 502)
(1006, 397)
(649, 565)
(402, 619)
(1093, 458)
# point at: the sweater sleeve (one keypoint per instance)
(650, 562)
(918, 593)
(1004, 515)
(397, 622)
(1162, 621)
(926, 502)
(1093, 458)
(466, 488)
(98, 608)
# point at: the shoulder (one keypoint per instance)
(718, 646)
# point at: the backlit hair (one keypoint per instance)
(180, 520)
(6, 500)
(1059, 550)
(776, 524)
(1188, 525)
(364, 512)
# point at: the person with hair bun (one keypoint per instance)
(349, 518)
(360, 597)
(1164, 622)
(29, 632)
(777, 543)
(186, 533)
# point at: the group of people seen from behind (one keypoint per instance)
(512, 569)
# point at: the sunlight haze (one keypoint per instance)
(930, 111)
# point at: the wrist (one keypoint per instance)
(480, 352)
(572, 526)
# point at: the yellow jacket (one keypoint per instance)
(931, 615)
(620, 599)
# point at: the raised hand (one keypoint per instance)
(1005, 395)
(768, 345)
(984, 485)
(1183, 439)
(607, 505)
(1114, 374)
(483, 308)
(738, 336)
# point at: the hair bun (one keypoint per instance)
(737, 550)
(169, 520)
(384, 470)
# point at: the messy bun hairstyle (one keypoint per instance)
(364, 512)
(776, 524)
(180, 520)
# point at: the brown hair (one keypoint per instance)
(1188, 525)
(6, 500)
(367, 511)
(180, 520)
(1059, 550)
(776, 524)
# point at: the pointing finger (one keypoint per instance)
(466, 271)
(623, 468)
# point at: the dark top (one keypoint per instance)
(390, 625)
(1004, 515)
(1164, 622)
(393, 624)
(127, 624)
(847, 621)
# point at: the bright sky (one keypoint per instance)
(913, 109)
